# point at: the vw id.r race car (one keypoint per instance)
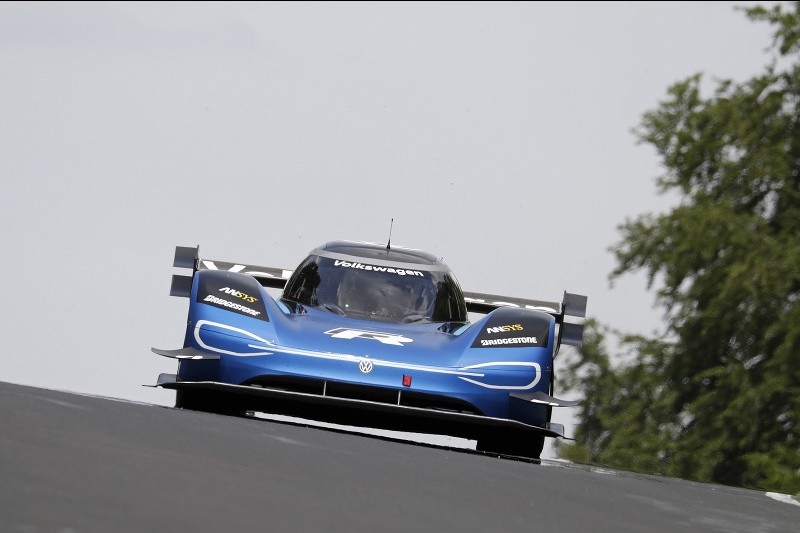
(375, 336)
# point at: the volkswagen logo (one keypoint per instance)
(365, 365)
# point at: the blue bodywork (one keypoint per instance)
(498, 367)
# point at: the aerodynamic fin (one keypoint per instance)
(166, 379)
(543, 398)
(186, 257)
(181, 286)
(558, 429)
(185, 353)
(573, 315)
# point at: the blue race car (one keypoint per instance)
(374, 336)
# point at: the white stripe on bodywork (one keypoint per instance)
(530, 385)
(273, 349)
(199, 340)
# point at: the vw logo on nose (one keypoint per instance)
(365, 366)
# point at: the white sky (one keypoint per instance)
(496, 135)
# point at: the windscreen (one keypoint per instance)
(376, 292)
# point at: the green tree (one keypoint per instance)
(720, 399)
(620, 420)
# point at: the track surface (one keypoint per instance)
(72, 463)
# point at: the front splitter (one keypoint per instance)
(355, 412)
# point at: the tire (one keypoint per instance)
(516, 444)
(207, 403)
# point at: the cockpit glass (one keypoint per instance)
(377, 292)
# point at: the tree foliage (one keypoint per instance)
(718, 398)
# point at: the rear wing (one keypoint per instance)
(188, 257)
(570, 313)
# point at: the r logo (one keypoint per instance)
(385, 338)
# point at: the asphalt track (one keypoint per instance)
(71, 463)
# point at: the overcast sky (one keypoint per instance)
(497, 135)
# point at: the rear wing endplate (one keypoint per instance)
(189, 257)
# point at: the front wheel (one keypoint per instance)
(207, 403)
(519, 445)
